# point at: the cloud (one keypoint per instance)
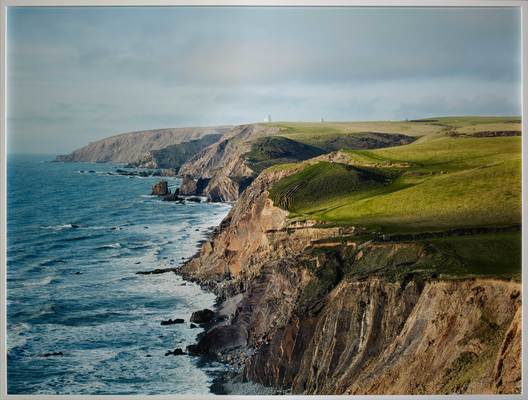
(78, 74)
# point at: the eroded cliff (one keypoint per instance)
(222, 165)
(329, 310)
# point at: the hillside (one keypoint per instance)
(248, 149)
(132, 147)
(437, 182)
(381, 271)
(175, 155)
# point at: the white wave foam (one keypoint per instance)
(40, 282)
(16, 335)
(60, 227)
(111, 246)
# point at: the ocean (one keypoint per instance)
(76, 237)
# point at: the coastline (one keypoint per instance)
(230, 381)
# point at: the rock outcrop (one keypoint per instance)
(223, 166)
(202, 316)
(319, 310)
(160, 189)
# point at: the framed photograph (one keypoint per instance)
(262, 198)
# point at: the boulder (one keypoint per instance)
(173, 321)
(175, 352)
(58, 353)
(161, 188)
(194, 199)
(202, 316)
(173, 196)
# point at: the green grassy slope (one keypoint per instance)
(438, 183)
(323, 181)
(335, 136)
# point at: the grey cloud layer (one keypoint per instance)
(79, 74)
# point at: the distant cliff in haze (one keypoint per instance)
(133, 147)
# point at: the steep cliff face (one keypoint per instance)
(321, 310)
(175, 155)
(135, 146)
(378, 337)
(223, 163)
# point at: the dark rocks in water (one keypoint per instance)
(91, 172)
(193, 187)
(160, 189)
(202, 316)
(194, 199)
(137, 262)
(175, 352)
(193, 326)
(195, 350)
(74, 225)
(173, 197)
(143, 173)
(156, 271)
(78, 273)
(173, 321)
(58, 353)
(148, 355)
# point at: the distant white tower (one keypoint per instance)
(269, 117)
(322, 119)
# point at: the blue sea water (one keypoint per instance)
(74, 290)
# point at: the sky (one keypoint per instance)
(75, 75)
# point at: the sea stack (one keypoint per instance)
(160, 189)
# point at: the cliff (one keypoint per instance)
(227, 167)
(175, 155)
(222, 165)
(133, 147)
(326, 309)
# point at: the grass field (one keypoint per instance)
(446, 179)
(438, 182)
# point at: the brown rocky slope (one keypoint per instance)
(321, 310)
(133, 147)
(222, 165)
